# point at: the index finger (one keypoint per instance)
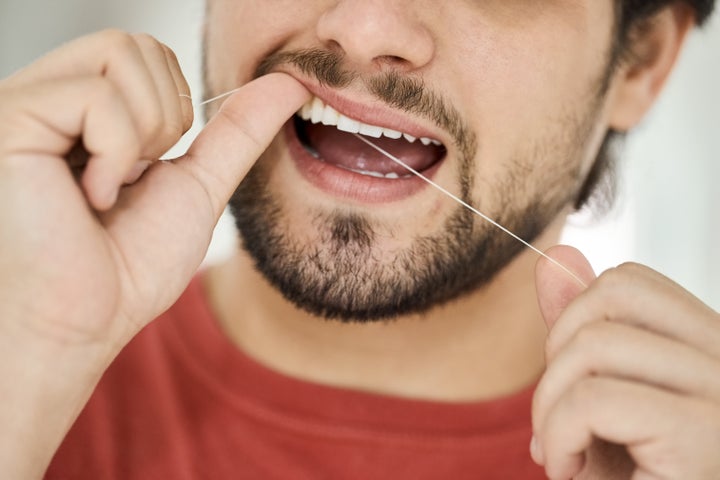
(638, 296)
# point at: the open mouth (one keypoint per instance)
(326, 135)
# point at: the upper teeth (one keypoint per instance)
(316, 111)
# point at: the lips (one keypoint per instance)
(330, 157)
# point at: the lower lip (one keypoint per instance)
(343, 183)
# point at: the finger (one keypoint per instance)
(620, 351)
(657, 427)
(111, 156)
(182, 88)
(115, 55)
(86, 55)
(638, 296)
(46, 119)
(172, 121)
(555, 288)
(239, 133)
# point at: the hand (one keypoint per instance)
(87, 262)
(632, 386)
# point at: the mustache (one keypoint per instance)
(402, 91)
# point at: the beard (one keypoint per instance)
(341, 273)
(341, 276)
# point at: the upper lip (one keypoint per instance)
(373, 112)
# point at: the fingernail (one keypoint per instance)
(536, 451)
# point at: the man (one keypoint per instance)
(370, 327)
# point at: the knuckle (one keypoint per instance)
(589, 337)
(100, 87)
(148, 42)
(242, 125)
(622, 274)
(150, 124)
(170, 53)
(154, 123)
(584, 394)
(172, 130)
(611, 277)
(159, 126)
(631, 267)
(153, 47)
(114, 38)
(584, 344)
(612, 285)
(145, 39)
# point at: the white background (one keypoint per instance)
(667, 216)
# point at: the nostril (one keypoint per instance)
(334, 46)
(372, 33)
(392, 60)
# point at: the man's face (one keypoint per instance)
(512, 91)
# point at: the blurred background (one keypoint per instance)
(667, 213)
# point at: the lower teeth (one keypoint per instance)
(391, 175)
(367, 173)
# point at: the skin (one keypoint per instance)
(70, 305)
(631, 359)
(470, 362)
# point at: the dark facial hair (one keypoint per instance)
(340, 276)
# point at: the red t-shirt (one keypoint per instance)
(181, 402)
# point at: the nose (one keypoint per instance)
(375, 34)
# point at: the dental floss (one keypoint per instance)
(470, 207)
(433, 184)
(210, 100)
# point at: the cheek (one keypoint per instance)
(514, 77)
(529, 100)
(525, 86)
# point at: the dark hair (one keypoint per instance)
(631, 14)
(600, 185)
(630, 11)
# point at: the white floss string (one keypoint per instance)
(470, 207)
(435, 185)
(210, 100)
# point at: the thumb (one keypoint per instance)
(555, 287)
(240, 132)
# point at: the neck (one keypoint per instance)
(485, 345)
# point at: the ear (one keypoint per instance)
(654, 45)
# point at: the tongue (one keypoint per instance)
(345, 150)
